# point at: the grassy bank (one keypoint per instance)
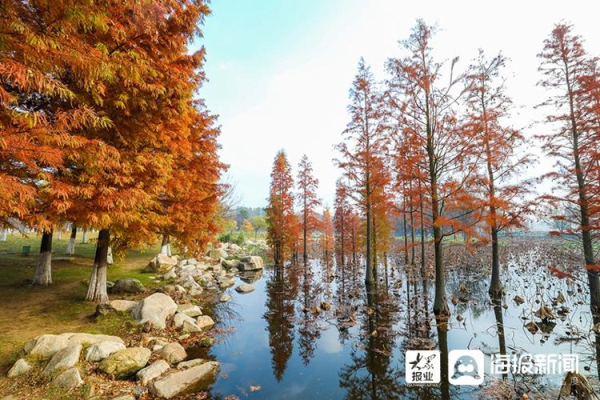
(27, 311)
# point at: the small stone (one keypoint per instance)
(250, 263)
(190, 327)
(224, 298)
(21, 367)
(170, 274)
(126, 362)
(128, 285)
(66, 358)
(152, 371)
(205, 322)
(123, 305)
(245, 288)
(68, 379)
(180, 318)
(519, 300)
(190, 363)
(173, 353)
(532, 327)
(190, 310)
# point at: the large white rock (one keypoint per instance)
(68, 379)
(190, 310)
(172, 353)
(178, 382)
(99, 351)
(65, 358)
(155, 309)
(152, 371)
(85, 339)
(45, 346)
(21, 367)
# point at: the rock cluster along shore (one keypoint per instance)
(157, 363)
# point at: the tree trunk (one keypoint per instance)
(43, 273)
(588, 251)
(405, 238)
(495, 285)
(440, 303)
(305, 233)
(422, 234)
(71, 244)
(369, 260)
(165, 247)
(374, 267)
(97, 285)
(4, 235)
(84, 238)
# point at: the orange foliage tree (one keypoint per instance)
(362, 151)
(503, 196)
(308, 202)
(281, 220)
(426, 115)
(43, 57)
(327, 239)
(570, 75)
(342, 220)
(147, 95)
(189, 205)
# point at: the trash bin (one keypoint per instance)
(26, 250)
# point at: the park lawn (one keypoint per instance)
(27, 311)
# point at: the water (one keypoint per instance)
(279, 346)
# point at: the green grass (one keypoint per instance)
(61, 307)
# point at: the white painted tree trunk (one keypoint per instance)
(109, 256)
(97, 286)
(43, 273)
(165, 247)
(84, 238)
(4, 235)
(71, 244)
(59, 236)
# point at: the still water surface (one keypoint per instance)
(279, 346)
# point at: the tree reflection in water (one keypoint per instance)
(372, 375)
(281, 291)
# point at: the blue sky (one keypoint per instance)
(279, 71)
